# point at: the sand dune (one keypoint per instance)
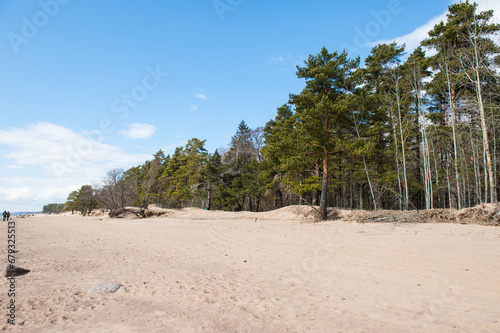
(208, 271)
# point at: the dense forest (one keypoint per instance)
(401, 131)
(53, 208)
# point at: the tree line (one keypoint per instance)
(403, 131)
(53, 208)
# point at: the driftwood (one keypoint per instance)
(485, 214)
(126, 212)
(134, 212)
(396, 217)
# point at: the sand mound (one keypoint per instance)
(303, 213)
(294, 213)
(486, 214)
(95, 213)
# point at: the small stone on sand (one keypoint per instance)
(107, 287)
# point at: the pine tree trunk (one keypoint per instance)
(449, 187)
(366, 170)
(403, 153)
(452, 96)
(370, 184)
(486, 143)
(485, 164)
(476, 65)
(495, 163)
(324, 188)
(209, 199)
(424, 146)
(436, 171)
(477, 182)
(398, 172)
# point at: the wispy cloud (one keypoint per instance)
(201, 96)
(194, 107)
(139, 131)
(275, 60)
(43, 162)
(413, 39)
(280, 59)
(285, 61)
(43, 143)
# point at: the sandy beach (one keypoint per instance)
(204, 271)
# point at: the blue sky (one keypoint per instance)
(87, 86)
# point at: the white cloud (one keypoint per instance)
(490, 4)
(139, 131)
(44, 162)
(201, 96)
(194, 107)
(413, 39)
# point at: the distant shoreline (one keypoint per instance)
(24, 213)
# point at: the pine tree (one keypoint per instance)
(322, 124)
(464, 51)
(214, 171)
(289, 164)
(72, 203)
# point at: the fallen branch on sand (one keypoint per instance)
(13, 270)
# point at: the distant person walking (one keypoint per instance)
(8, 216)
(4, 215)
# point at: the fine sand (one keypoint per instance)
(204, 271)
